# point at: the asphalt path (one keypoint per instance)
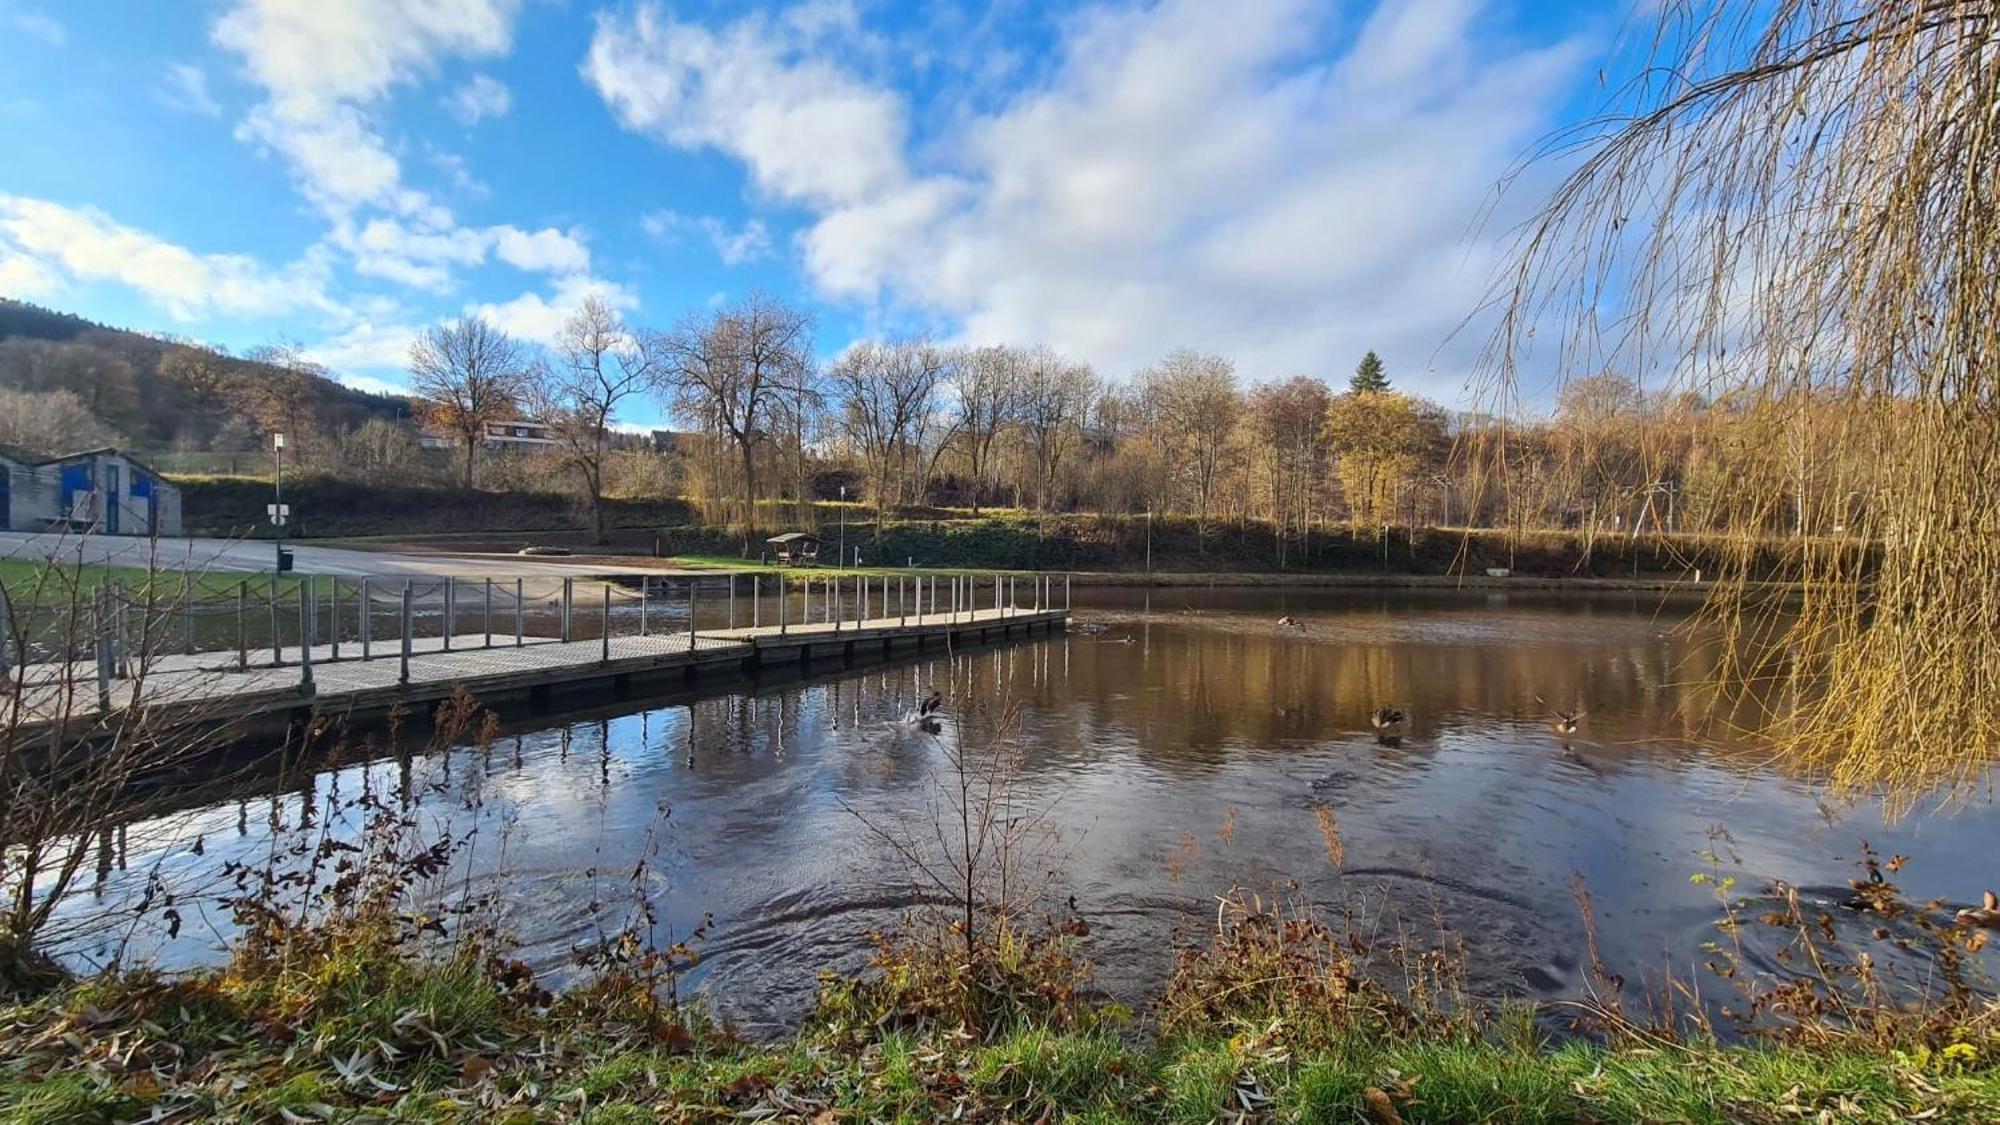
(239, 555)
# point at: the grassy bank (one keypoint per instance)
(447, 1044)
(50, 584)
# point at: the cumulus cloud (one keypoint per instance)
(44, 245)
(482, 97)
(1245, 178)
(367, 346)
(538, 316)
(747, 243)
(185, 87)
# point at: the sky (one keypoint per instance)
(1285, 183)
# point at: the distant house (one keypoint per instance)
(508, 434)
(794, 547)
(99, 490)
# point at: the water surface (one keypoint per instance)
(1178, 744)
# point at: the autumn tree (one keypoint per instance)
(50, 423)
(599, 363)
(281, 395)
(466, 373)
(1382, 439)
(1056, 397)
(1288, 424)
(730, 371)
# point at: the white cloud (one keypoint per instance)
(43, 244)
(1188, 173)
(807, 130)
(480, 98)
(747, 243)
(539, 316)
(185, 87)
(546, 251)
(367, 346)
(44, 27)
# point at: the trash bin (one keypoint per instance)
(284, 560)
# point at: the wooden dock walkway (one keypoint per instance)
(213, 689)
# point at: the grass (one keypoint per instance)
(58, 583)
(106, 1055)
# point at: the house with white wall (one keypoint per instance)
(104, 491)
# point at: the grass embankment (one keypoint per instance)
(51, 584)
(445, 1045)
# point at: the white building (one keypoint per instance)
(96, 490)
(511, 434)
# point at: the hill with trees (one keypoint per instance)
(104, 384)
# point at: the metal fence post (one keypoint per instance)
(487, 613)
(568, 599)
(518, 612)
(277, 635)
(187, 613)
(307, 630)
(1066, 592)
(693, 585)
(902, 601)
(732, 601)
(806, 603)
(450, 610)
(403, 674)
(781, 605)
(604, 639)
(103, 646)
(242, 628)
(833, 607)
(645, 600)
(756, 599)
(333, 611)
(996, 595)
(122, 614)
(367, 622)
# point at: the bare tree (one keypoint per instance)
(986, 388)
(1056, 398)
(730, 370)
(467, 373)
(1191, 400)
(49, 422)
(599, 363)
(891, 411)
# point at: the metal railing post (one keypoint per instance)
(187, 613)
(756, 599)
(450, 609)
(996, 595)
(122, 614)
(367, 622)
(1066, 592)
(403, 673)
(781, 605)
(568, 600)
(333, 611)
(277, 634)
(518, 614)
(103, 647)
(806, 607)
(487, 612)
(902, 601)
(604, 641)
(693, 585)
(732, 601)
(242, 627)
(645, 598)
(307, 630)
(833, 607)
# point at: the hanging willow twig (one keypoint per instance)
(1792, 217)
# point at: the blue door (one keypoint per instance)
(114, 490)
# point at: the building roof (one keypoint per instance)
(100, 450)
(18, 455)
(793, 537)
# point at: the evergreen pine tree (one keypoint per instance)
(1369, 376)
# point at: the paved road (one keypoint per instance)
(240, 555)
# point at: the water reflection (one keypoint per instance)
(1181, 747)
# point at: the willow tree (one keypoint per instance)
(1795, 204)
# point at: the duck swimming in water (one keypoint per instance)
(1985, 916)
(925, 717)
(1388, 722)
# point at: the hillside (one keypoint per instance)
(153, 393)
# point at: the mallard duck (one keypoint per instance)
(1565, 721)
(1986, 916)
(1388, 720)
(1290, 622)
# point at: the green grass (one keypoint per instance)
(31, 582)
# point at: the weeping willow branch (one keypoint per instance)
(1790, 213)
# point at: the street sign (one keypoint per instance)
(280, 513)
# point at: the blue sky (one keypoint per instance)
(1286, 183)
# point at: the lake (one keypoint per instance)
(1178, 743)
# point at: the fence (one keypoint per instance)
(112, 631)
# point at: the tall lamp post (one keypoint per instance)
(278, 499)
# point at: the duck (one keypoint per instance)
(1290, 622)
(925, 717)
(1565, 721)
(1388, 720)
(1985, 916)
